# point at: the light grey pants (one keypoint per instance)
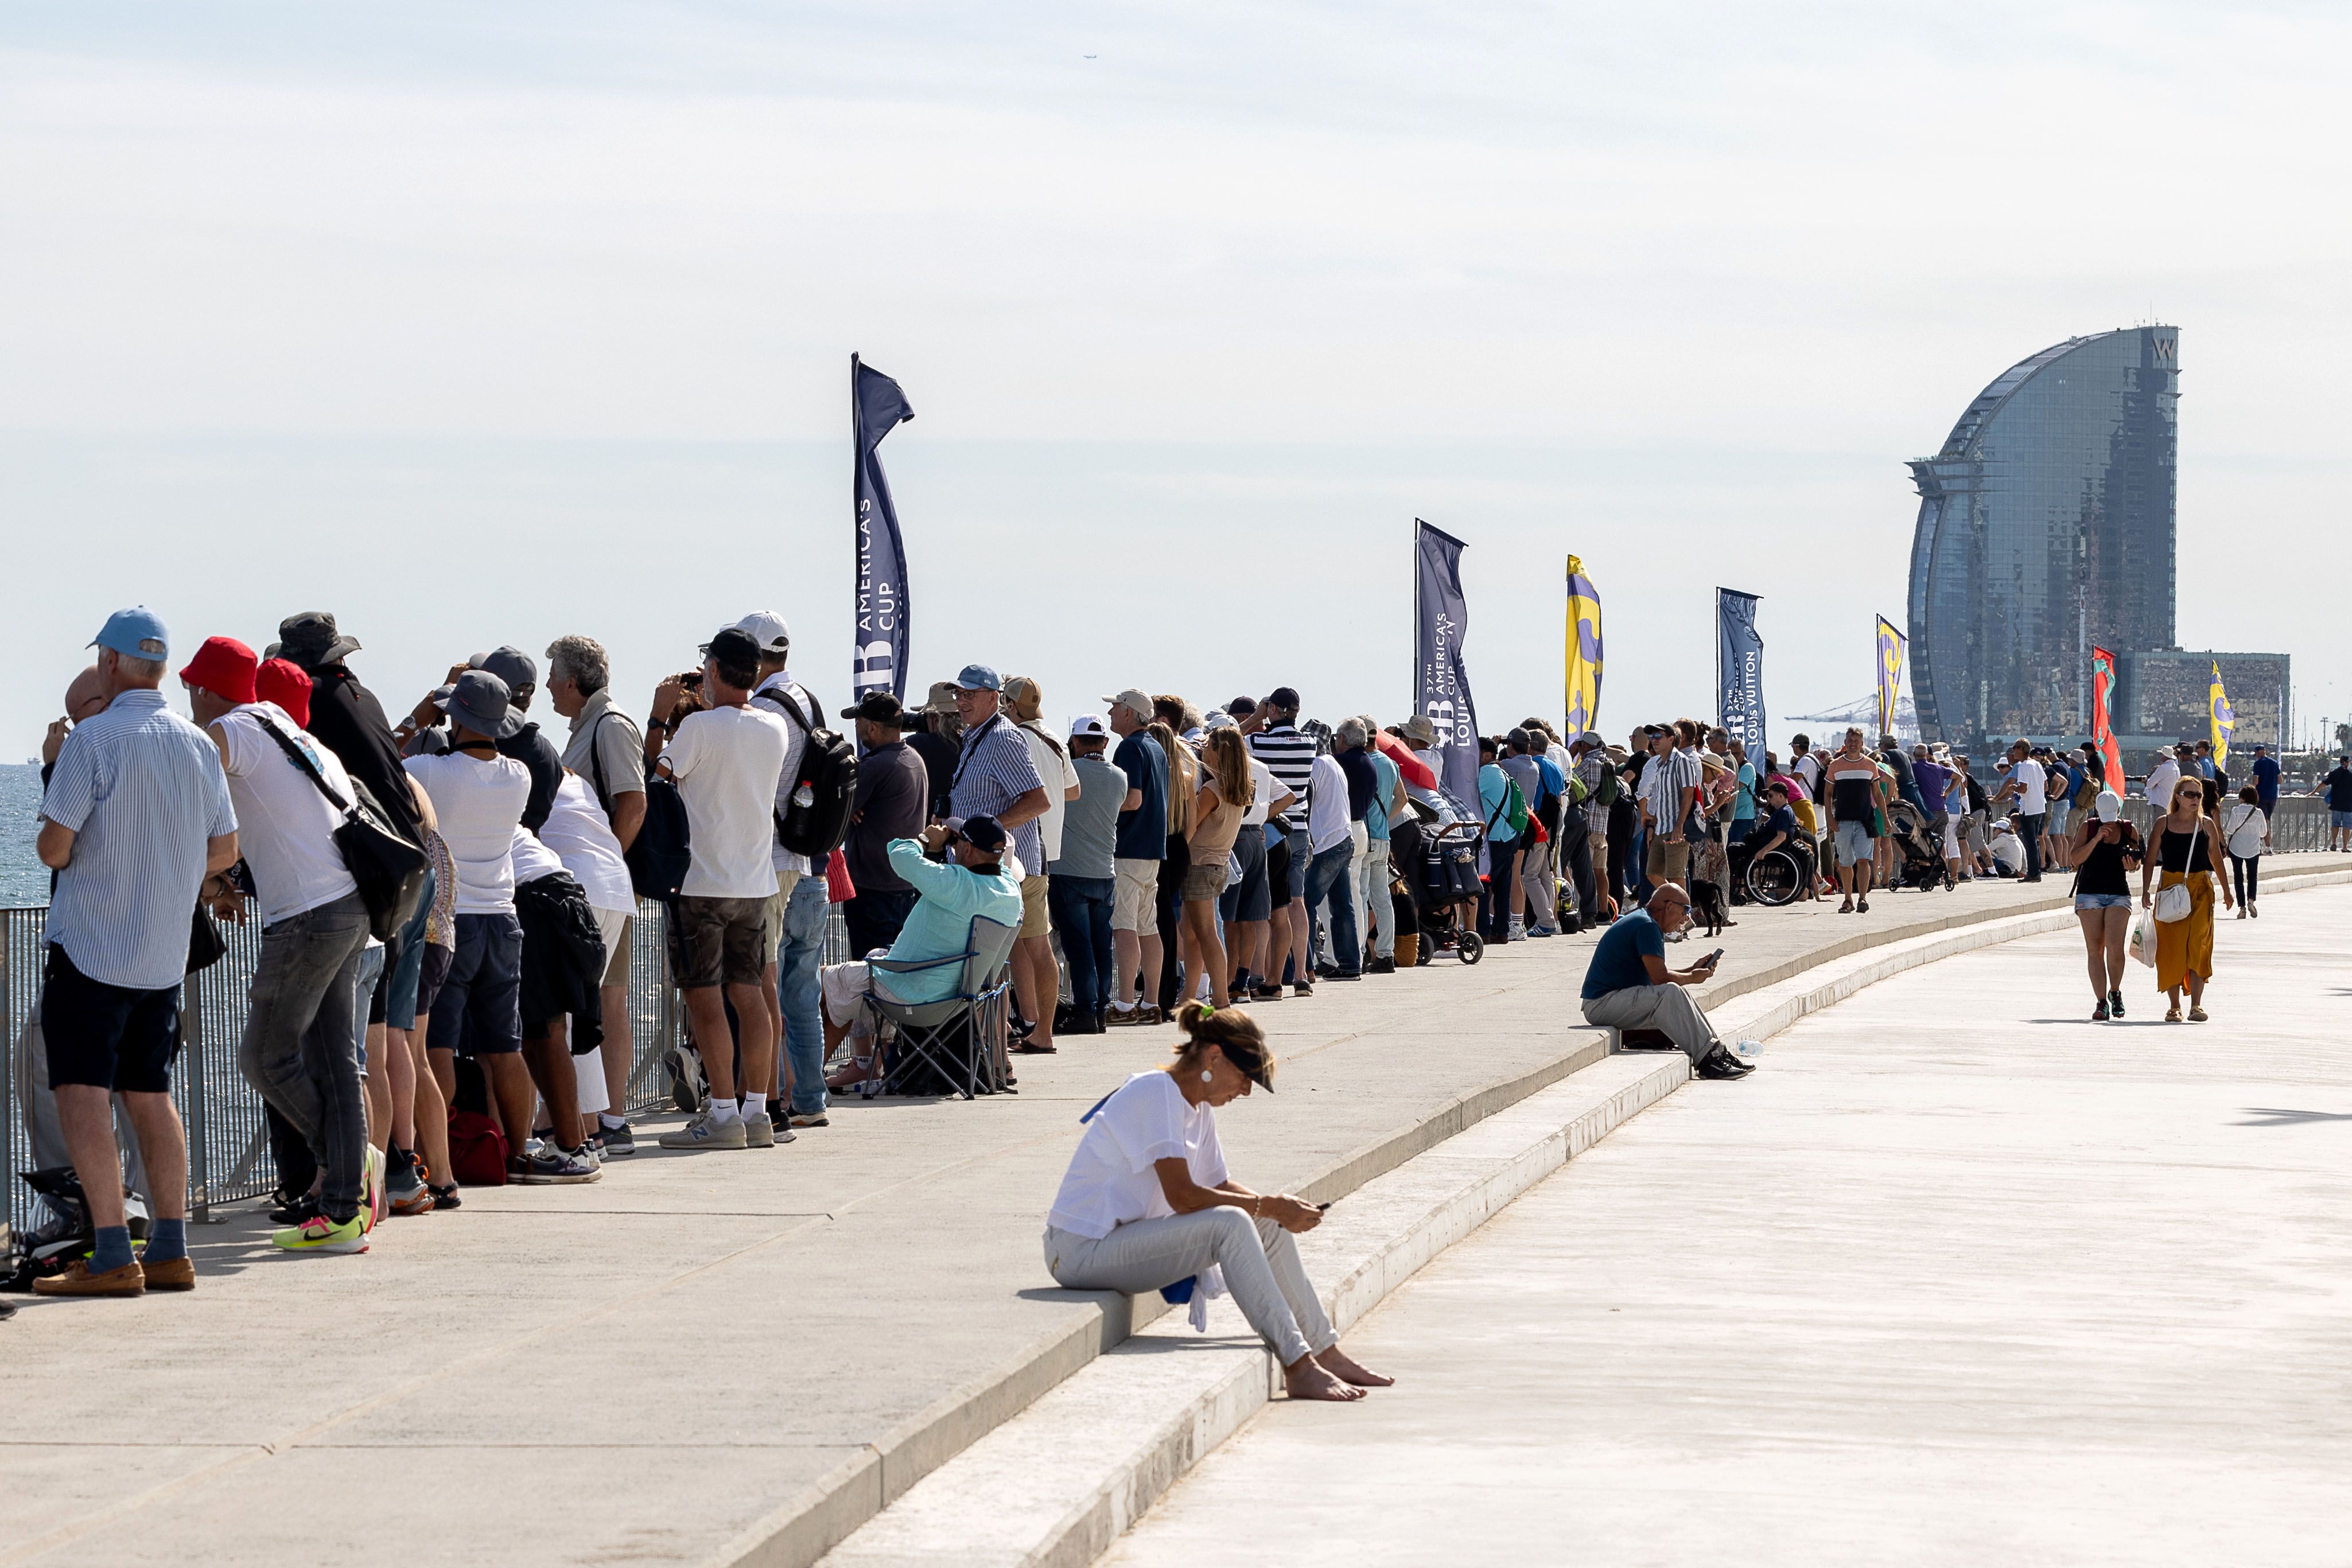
(1539, 884)
(1377, 930)
(1259, 1258)
(1667, 1007)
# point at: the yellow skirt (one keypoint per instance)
(2185, 948)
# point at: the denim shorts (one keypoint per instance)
(478, 1009)
(2339, 818)
(1853, 844)
(2102, 901)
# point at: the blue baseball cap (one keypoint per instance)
(135, 634)
(979, 678)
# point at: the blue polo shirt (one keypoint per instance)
(1384, 783)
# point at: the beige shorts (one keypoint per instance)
(1034, 918)
(785, 881)
(842, 989)
(1135, 902)
(615, 927)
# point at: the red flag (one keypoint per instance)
(2103, 728)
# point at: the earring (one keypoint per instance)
(1204, 1076)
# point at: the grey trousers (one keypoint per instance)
(1667, 1007)
(45, 1136)
(301, 1051)
(1539, 884)
(1259, 1258)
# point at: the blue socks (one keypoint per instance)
(166, 1239)
(113, 1249)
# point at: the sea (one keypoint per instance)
(24, 880)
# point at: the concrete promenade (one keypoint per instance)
(1956, 1278)
(730, 1357)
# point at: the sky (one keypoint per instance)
(486, 324)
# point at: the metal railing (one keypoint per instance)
(229, 1140)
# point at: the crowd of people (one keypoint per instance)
(446, 904)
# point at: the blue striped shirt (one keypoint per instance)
(142, 789)
(994, 772)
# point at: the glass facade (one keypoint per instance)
(2046, 525)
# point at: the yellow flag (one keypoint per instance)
(2225, 722)
(1892, 646)
(1583, 650)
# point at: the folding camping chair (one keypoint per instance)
(959, 1037)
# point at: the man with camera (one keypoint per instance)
(726, 757)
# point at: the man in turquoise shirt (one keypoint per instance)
(948, 896)
(1374, 874)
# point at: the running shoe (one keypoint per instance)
(294, 1210)
(2099, 1013)
(544, 1164)
(320, 1234)
(616, 1142)
(404, 1184)
(811, 1119)
(759, 1132)
(2115, 1003)
(702, 1133)
(374, 1203)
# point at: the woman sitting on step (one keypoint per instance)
(1146, 1204)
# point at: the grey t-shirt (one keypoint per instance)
(1090, 822)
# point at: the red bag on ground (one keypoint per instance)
(477, 1150)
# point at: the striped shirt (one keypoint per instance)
(1663, 783)
(992, 773)
(1290, 756)
(142, 789)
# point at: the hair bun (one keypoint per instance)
(1196, 1012)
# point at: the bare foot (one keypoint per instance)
(1306, 1379)
(1347, 1369)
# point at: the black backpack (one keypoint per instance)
(658, 858)
(828, 775)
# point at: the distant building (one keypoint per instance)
(2165, 693)
(2046, 525)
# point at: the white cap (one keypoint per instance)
(768, 630)
(2109, 806)
(1088, 724)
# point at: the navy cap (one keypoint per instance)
(135, 634)
(983, 832)
(979, 678)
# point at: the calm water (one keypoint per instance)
(23, 879)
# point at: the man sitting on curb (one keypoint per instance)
(972, 882)
(1629, 985)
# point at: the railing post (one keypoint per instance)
(192, 1037)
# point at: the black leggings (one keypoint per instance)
(2243, 872)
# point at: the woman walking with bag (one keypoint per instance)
(2188, 848)
(2247, 832)
(2110, 850)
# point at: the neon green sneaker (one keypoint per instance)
(320, 1234)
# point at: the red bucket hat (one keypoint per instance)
(225, 667)
(283, 682)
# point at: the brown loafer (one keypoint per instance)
(171, 1274)
(78, 1280)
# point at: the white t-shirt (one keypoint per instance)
(285, 827)
(530, 858)
(1057, 773)
(1262, 795)
(478, 802)
(2161, 780)
(1111, 1181)
(2033, 787)
(1328, 822)
(727, 761)
(2008, 850)
(778, 689)
(577, 830)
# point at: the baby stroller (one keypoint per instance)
(1921, 856)
(1448, 880)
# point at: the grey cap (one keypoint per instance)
(511, 665)
(478, 701)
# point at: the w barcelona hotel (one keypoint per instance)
(2046, 527)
